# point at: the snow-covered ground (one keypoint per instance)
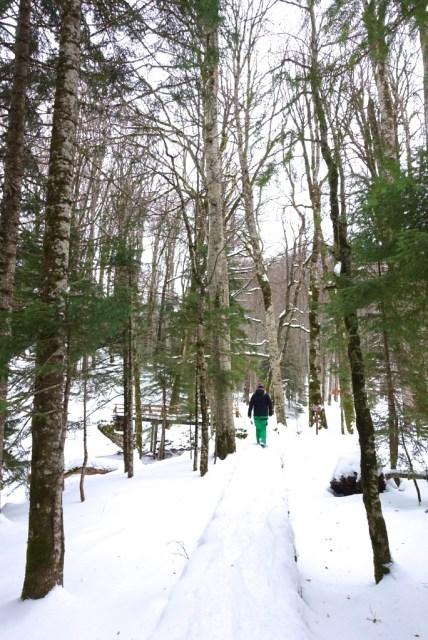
(168, 555)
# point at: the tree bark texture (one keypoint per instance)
(196, 431)
(152, 294)
(423, 37)
(174, 401)
(201, 372)
(218, 279)
(346, 399)
(9, 208)
(271, 325)
(316, 409)
(317, 415)
(374, 19)
(374, 16)
(128, 405)
(45, 550)
(161, 450)
(85, 428)
(377, 527)
(376, 523)
(393, 428)
(137, 393)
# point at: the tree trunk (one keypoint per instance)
(128, 411)
(376, 523)
(377, 528)
(45, 550)
(295, 279)
(174, 401)
(218, 278)
(374, 21)
(161, 451)
(315, 400)
(261, 270)
(138, 414)
(151, 296)
(154, 439)
(422, 22)
(10, 204)
(201, 370)
(85, 428)
(316, 396)
(393, 428)
(346, 400)
(196, 405)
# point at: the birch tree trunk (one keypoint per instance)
(201, 372)
(346, 401)
(316, 408)
(374, 19)
(416, 11)
(374, 16)
(152, 295)
(45, 550)
(369, 480)
(9, 208)
(312, 164)
(261, 270)
(423, 37)
(218, 279)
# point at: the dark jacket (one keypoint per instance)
(261, 403)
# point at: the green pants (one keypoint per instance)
(261, 424)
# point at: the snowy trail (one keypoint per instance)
(241, 582)
(169, 555)
(125, 548)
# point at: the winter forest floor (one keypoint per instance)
(170, 556)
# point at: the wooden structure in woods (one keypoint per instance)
(152, 413)
(155, 413)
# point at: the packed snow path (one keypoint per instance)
(167, 555)
(172, 556)
(241, 582)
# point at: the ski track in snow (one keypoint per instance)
(241, 582)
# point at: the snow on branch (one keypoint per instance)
(251, 353)
(410, 475)
(291, 308)
(296, 326)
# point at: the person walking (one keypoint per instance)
(261, 405)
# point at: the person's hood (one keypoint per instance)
(260, 392)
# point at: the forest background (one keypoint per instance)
(146, 149)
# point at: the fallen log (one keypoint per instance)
(89, 471)
(407, 475)
(109, 431)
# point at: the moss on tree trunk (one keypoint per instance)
(45, 550)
